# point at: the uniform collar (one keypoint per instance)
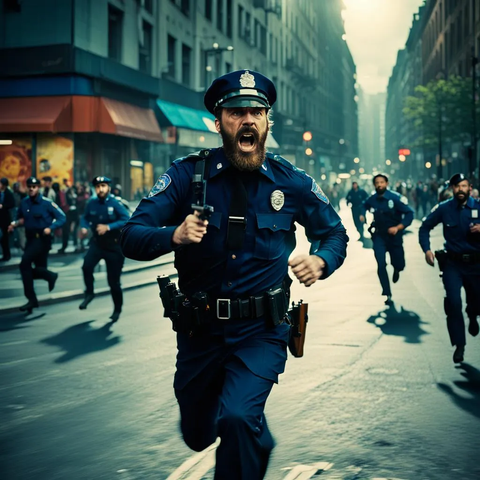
(38, 198)
(220, 163)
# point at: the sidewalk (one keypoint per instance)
(70, 284)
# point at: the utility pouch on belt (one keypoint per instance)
(299, 317)
(277, 305)
(441, 256)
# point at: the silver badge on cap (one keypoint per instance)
(277, 199)
(247, 79)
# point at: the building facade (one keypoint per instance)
(116, 86)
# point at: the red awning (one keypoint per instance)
(128, 120)
(35, 114)
(78, 114)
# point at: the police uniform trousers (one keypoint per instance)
(455, 275)
(114, 260)
(36, 252)
(393, 244)
(224, 376)
(356, 212)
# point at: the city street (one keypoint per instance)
(376, 395)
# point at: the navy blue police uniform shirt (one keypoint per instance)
(108, 211)
(356, 198)
(269, 237)
(40, 213)
(456, 220)
(388, 210)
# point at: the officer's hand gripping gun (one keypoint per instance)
(298, 314)
(199, 195)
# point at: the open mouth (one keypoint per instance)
(247, 142)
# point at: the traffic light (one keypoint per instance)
(404, 151)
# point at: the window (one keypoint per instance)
(185, 7)
(149, 6)
(240, 27)
(220, 15)
(229, 18)
(115, 27)
(12, 6)
(186, 64)
(247, 36)
(171, 45)
(145, 50)
(208, 9)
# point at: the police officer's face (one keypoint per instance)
(32, 190)
(102, 190)
(461, 190)
(244, 133)
(380, 185)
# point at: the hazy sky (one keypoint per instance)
(376, 30)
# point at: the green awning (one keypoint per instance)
(185, 117)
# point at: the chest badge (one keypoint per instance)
(390, 204)
(474, 213)
(277, 199)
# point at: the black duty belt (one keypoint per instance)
(227, 309)
(464, 257)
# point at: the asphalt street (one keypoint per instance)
(376, 395)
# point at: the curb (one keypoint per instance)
(54, 298)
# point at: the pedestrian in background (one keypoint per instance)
(69, 207)
(82, 199)
(19, 234)
(41, 217)
(461, 266)
(7, 204)
(105, 216)
(391, 216)
(47, 190)
(236, 266)
(355, 198)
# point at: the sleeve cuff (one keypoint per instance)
(163, 240)
(329, 260)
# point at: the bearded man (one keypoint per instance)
(229, 311)
(461, 265)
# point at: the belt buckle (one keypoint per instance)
(221, 303)
(466, 258)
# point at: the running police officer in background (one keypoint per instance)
(232, 344)
(355, 197)
(105, 216)
(460, 263)
(40, 216)
(391, 216)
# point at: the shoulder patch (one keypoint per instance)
(162, 184)
(434, 208)
(55, 205)
(318, 192)
(404, 199)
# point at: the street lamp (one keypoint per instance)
(215, 50)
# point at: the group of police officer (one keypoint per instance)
(104, 216)
(229, 216)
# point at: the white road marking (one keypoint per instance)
(195, 467)
(304, 472)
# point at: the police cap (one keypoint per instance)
(33, 181)
(242, 88)
(101, 179)
(457, 178)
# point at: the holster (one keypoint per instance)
(441, 256)
(298, 314)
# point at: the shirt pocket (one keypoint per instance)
(270, 235)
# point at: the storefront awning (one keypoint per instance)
(128, 120)
(78, 113)
(185, 117)
(35, 114)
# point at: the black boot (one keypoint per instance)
(115, 315)
(29, 306)
(473, 327)
(88, 298)
(51, 281)
(458, 354)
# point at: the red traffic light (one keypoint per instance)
(404, 151)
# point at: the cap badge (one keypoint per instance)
(247, 80)
(219, 166)
(277, 199)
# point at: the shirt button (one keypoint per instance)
(234, 257)
(229, 284)
(274, 226)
